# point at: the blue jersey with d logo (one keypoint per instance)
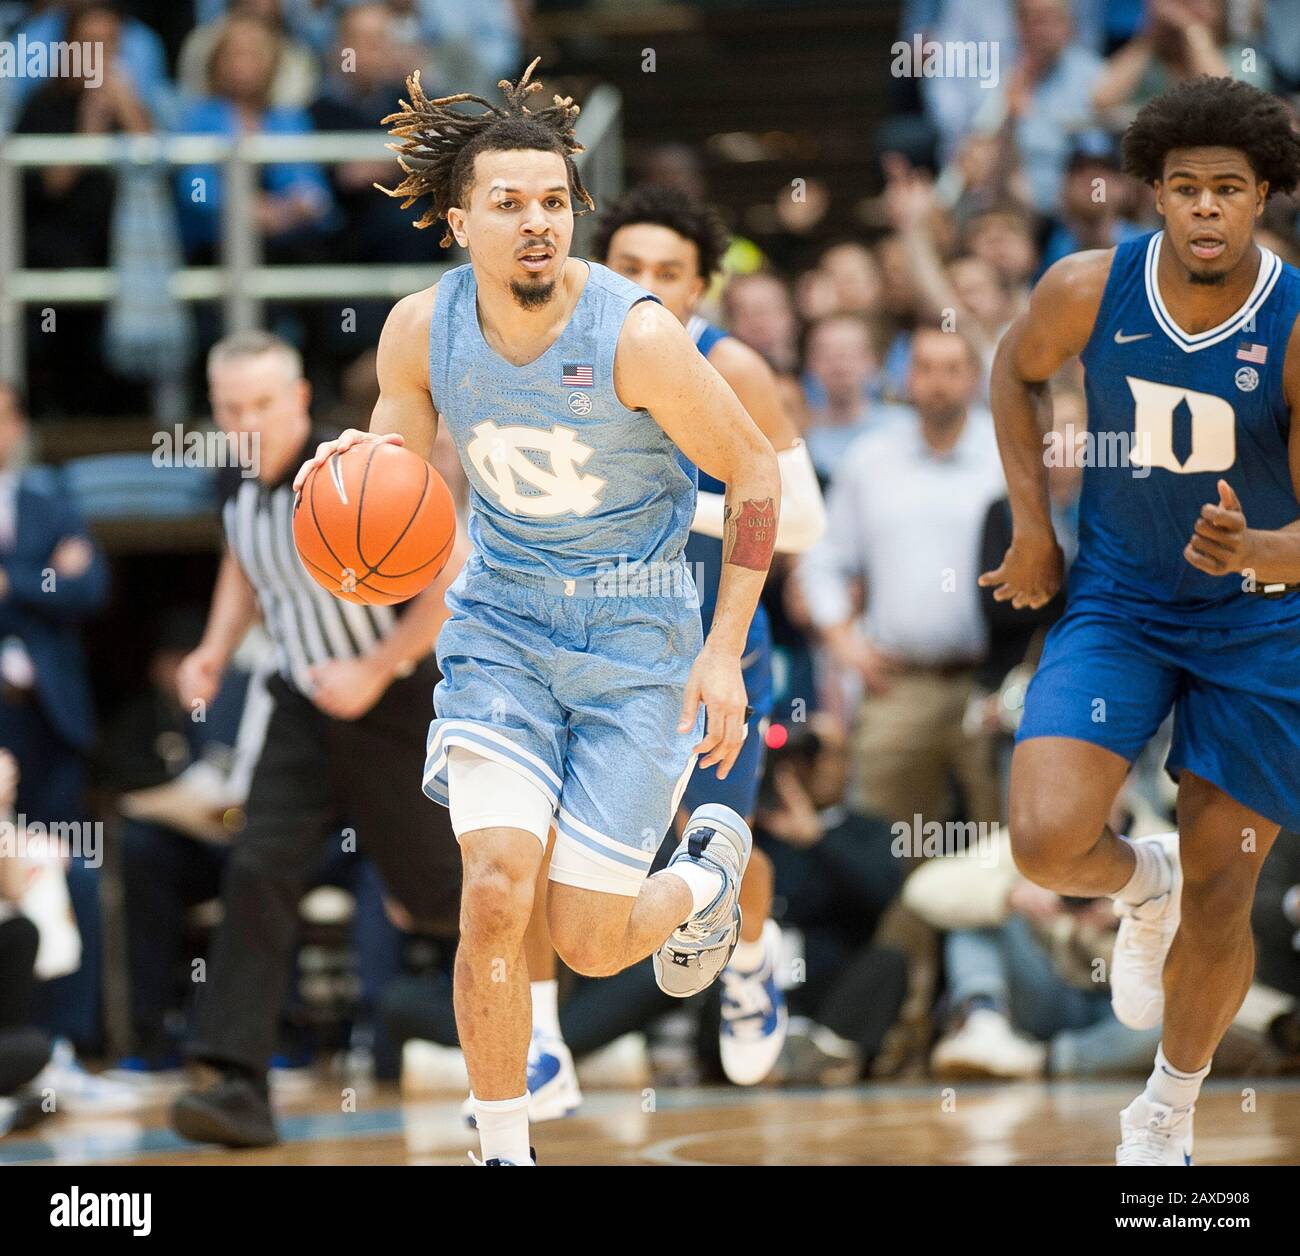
(1178, 411)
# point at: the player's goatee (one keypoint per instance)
(532, 296)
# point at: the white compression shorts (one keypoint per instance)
(483, 793)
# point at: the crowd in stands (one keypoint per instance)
(913, 945)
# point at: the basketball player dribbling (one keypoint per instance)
(1186, 591)
(672, 247)
(574, 665)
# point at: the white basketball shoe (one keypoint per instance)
(698, 950)
(1146, 931)
(1153, 1134)
(552, 1080)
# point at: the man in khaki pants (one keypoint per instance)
(904, 516)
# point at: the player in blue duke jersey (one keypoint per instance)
(1185, 594)
(573, 660)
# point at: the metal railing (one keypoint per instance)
(240, 282)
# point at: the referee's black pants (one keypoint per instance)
(315, 774)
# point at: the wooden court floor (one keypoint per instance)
(927, 1123)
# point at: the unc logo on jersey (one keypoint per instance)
(1213, 428)
(498, 456)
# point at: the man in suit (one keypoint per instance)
(51, 578)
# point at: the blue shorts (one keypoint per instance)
(579, 694)
(1110, 678)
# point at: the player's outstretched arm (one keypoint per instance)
(658, 368)
(1055, 328)
(404, 413)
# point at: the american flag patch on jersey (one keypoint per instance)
(578, 375)
(1252, 353)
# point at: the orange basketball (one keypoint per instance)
(374, 524)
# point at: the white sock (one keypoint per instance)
(704, 883)
(546, 1008)
(747, 957)
(1152, 875)
(1171, 1086)
(503, 1129)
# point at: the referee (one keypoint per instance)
(352, 693)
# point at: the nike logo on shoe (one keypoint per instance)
(1122, 339)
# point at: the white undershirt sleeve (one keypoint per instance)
(803, 513)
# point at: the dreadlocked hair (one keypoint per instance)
(439, 143)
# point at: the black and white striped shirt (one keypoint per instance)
(307, 624)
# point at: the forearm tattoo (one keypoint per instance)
(749, 534)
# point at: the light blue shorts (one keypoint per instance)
(581, 695)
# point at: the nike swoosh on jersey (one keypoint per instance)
(1122, 339)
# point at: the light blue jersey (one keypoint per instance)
(566, 480)
(557, 662)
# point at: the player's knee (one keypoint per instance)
(587, 947)
(495, 902)
(585, 951)
(1045, 843)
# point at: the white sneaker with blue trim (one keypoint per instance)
(552, 1080)
(1154, 1134)
(754, 1017)
(698, 950)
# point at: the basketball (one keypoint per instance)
(375, 524)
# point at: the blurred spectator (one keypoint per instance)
(854, 279)
(294, 203)
(1003, 236)
(51, 578)
(905, 508)
(1038, 102)
(978, 292)
(841, 366)
(166, 869)
(898, 309)
(676, 166)
(136, 56)
(757, 309)
(24, 1048)
(68, 209)
(1095, 201)
(296, 71)
(1181, 39)
(1282, 42)
(68, 212)
(835, 877)
(1025, 967)
(373, 227)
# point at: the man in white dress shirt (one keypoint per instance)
(904, 513)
